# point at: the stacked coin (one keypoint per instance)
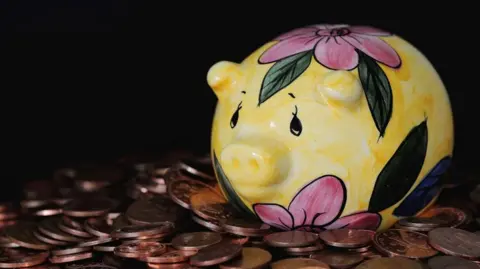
(173, 215)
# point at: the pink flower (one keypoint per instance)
(316, 207)
(334, 46)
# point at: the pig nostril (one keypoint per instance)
(254, 165)
(235, 163)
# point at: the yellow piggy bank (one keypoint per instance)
(331, 126)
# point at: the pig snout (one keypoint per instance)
(252, 165)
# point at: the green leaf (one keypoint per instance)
(377, 91)
(401, 171)
(283, 73)
(230, 193)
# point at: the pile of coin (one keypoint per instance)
(170, 213)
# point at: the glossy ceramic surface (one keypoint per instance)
(331, 126)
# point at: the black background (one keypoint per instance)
(100, 79)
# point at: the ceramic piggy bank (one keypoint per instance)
(331, 126)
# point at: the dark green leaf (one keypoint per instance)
(377, 91)
(283, 73)
(230, 193)
(401, 171)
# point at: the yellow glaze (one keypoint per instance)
(267, 161)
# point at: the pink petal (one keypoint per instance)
(297, 32)
(319, 202)
(288, 47)
(335, 53)
(367, 30)
(366, 221)
(375, 48)
(274, 215)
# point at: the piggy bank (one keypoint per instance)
(331, 126)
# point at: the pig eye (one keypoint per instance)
(234, 119)
(295, 124)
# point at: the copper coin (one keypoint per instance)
(197, 168)
(413, 228)
(133, 231)
(120, 222)
(49, 226)
(90, 265)
(22, 234)
(153, 210)
(251, 258)
(360, 249)
(305, 250)
(338, 259)
(210, 205)
(89, 207)
(139, 249)
(73, 231)
(71, 257)
(454, 216)
(174, 256)
(390, 263)
(68, 251)
(246, 227)
(236, 239)
(195, 240)
(291, 239)
(403, 243)
(105, 247)
(49, 240)
(456, 242)
(180, 265)
(347, 238)
(299, 263)
(95, 242)
(72, 222)
(16, 258)
(98, 227)
(430, 222)
(213, 225)
(47, 211)
(6, 242)
(450, 262)
(181, 189)
(216, 254)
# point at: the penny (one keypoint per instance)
(106, 247)
(90, 265)
(213, 225)
(133, 231)
(413, 228)
(251, 258)
(72, 222)
(157, 209)
(71, 257)
(68, 251)
(16, 258)
(456, 242)
(49, 226)
(119, 222)
(174, 256)
(49, 240)
(452, 217)
(98, 227)
(338, 259)
(73, 231)
(198, 168)
(403, 243)
(236, 239)
(181, 189)
(216, 254)
(299, 263)
(195, 240)
(245, 227)
(89, 207)
(181, 265)
(450, 262)
(22, 234)
(95, 242)
(291, 239)
(347, 238)
(210, 205)
(305, 250)
(430, 222)
(390, 263)
(139, 249)
(6, 242)
(47, 211)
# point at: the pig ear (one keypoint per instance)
(223, 77)
(339, 87)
